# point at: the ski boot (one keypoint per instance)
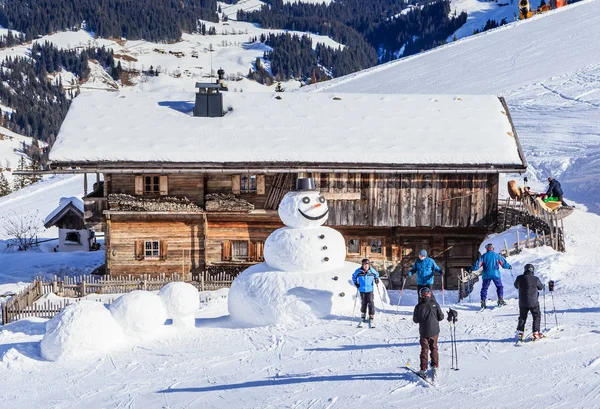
(371, 323)
(501, 302)
(483, 304)
(423, 373)
(537, 335)
(434, 375)
(520, 336)
(363, 320)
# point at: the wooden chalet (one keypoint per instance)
(193, 186)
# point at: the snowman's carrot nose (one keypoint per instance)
(318, 204)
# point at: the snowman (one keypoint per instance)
(304, 276)
(304, 244)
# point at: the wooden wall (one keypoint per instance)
(411, 200)
(184, 241)
(190, 185)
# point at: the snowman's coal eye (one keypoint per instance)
(306, 199)
(322, 199)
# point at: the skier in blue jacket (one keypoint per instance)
(363, 278)
(491, 263)
(425, 268)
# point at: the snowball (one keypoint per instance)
(182, 301)
(263, 296)
(303, 209)
(311, 250)
(82, 329)
(139, 312)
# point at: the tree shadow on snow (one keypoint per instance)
(574, 310)
(297, 379)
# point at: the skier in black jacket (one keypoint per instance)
(528, 286)
(555, 190)
(427, 314)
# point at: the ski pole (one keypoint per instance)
(554, 309)
(451, 344)
(401, 291)
(380, 299)
(443, 299)
(354, 308)
(545, 324)
(455, 348)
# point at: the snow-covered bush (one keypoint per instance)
(82, 329)
(182, 301)
(139, 312)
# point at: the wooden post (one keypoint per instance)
(82, 287)
(202, 281)
(527, 242)
(518, 250)
(506, 248)
(562, 228)
(85, 187)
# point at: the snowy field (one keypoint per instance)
(554, 95)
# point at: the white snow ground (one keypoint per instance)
(329, 363)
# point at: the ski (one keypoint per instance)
(426, 380)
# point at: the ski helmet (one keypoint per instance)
(529, 267)
(425, 292)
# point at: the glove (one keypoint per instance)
(376, 281)
(357, 285)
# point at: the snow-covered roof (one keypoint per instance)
(62, 207)
(299, 128)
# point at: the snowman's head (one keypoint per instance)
(303, 209)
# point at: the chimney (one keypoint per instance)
(209, 100)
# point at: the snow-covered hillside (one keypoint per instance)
(548, 70)
(11, 150)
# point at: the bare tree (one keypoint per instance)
(22, 229)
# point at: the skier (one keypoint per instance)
(427, 314)
(363, 278)
(425, 268)
(491, 262)
(555, 190)
(528, 286)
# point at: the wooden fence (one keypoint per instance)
(24, 303)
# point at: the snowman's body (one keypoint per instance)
(304, 245)
(312, 250)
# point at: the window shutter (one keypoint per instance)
(260, 255)
(139, 249)
(139, 185)
(226, 251)
(164, 185)
(163, 249)
(260, 184)
(251, 251)
(235, 184)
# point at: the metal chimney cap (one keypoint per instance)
(305, 184)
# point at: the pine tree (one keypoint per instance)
(4, 185)
(279, 88)
(20, 181)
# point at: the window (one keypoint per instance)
(353, 246)
(151, 184)
(239, 250)
(152, 249)
(376, 246)
(73, 237)
(248, 184)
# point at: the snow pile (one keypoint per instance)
(139, 312)
(82, 329)
(263, 296)
(182, 301)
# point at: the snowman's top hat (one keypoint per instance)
(305, 184)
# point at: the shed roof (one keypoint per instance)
(65, 205)
(291, 128)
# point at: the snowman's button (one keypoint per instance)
(324, 247)
(326, 258)
(322, 236)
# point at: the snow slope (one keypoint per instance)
(548, 70)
